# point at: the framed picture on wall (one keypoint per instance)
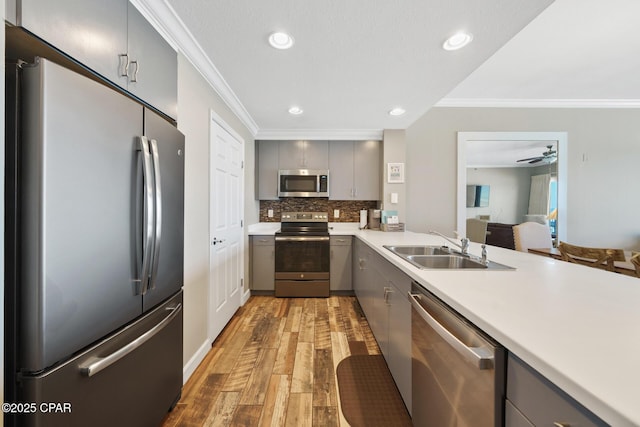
(395, 173)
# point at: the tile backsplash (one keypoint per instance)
(349, 209)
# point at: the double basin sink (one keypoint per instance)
(442, 257)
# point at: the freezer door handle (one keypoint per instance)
(95, 365)
(158, 214)
(148, 214)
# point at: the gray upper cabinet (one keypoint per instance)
(153, 65)
(354, 170)
(267, 166)
(92, 32)
(303, 155)
(111, 38)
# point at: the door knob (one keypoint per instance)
(216, 240)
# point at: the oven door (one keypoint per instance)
(302, 257)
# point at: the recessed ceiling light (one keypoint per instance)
(296, 111)
(457, 41)
(398, 111)
(280, 40)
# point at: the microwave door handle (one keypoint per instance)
(317, 183)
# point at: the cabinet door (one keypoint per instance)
(316, 155)
(267, 160)
(153, 66)
(367, 170)
(262, 263)
(341, 170)
(399, 359)
(291, 155)
(92, 32)
(340, 266)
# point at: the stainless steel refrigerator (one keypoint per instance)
(95, 249)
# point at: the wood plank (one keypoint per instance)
(274, 411)
(307, 325)
(340, 350)
(286, 356)
(256, 389)
(274, 334)
(322, 329)
(246, 416)
(324, 379)
(222, 412)
(302, 379)
(293, 319)
(200, 401)
(325, 416)
(369, 339)
(230, 353)
(300, 410)
(241, 372)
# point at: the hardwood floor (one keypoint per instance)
(274, 364)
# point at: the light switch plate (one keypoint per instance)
(270, 213)
(336, 213)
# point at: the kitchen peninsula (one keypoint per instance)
(576, 326)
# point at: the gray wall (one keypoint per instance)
(195, 100)
(508, 193)
(2, 219)
(602, 176)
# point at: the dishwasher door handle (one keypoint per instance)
(481, 357)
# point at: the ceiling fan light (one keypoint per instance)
(280, 40)
(457, 41)
(397, 111)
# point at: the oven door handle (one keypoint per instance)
(302, 238)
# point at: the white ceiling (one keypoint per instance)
(575, 53)
(352, 61)
(505, 154)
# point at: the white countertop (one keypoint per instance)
(578, 326)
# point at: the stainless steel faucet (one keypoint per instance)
(463, 245)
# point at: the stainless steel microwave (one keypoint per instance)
(303, 183)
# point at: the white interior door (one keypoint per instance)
(225, 211)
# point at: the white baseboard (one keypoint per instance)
(245, 297)
(195, 360)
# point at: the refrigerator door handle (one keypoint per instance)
(158, 214)
(95, 366)
(148, 214)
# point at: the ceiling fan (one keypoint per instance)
(550, 155)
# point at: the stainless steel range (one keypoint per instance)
(302, 255)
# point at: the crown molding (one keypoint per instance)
(164, 18)
(538, 103)
(330, 134)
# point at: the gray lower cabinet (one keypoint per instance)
(532, 400)
(355, 170)
(111, 38)
(340, 266)
(381, 289)
(263, 267)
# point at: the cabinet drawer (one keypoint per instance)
(541, 401)
(513, 417)
(263, 240)
(340, 240)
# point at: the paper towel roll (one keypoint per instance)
(363, 218)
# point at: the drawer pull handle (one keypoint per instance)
(557, 424)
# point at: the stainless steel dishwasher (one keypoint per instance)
(458, 376)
